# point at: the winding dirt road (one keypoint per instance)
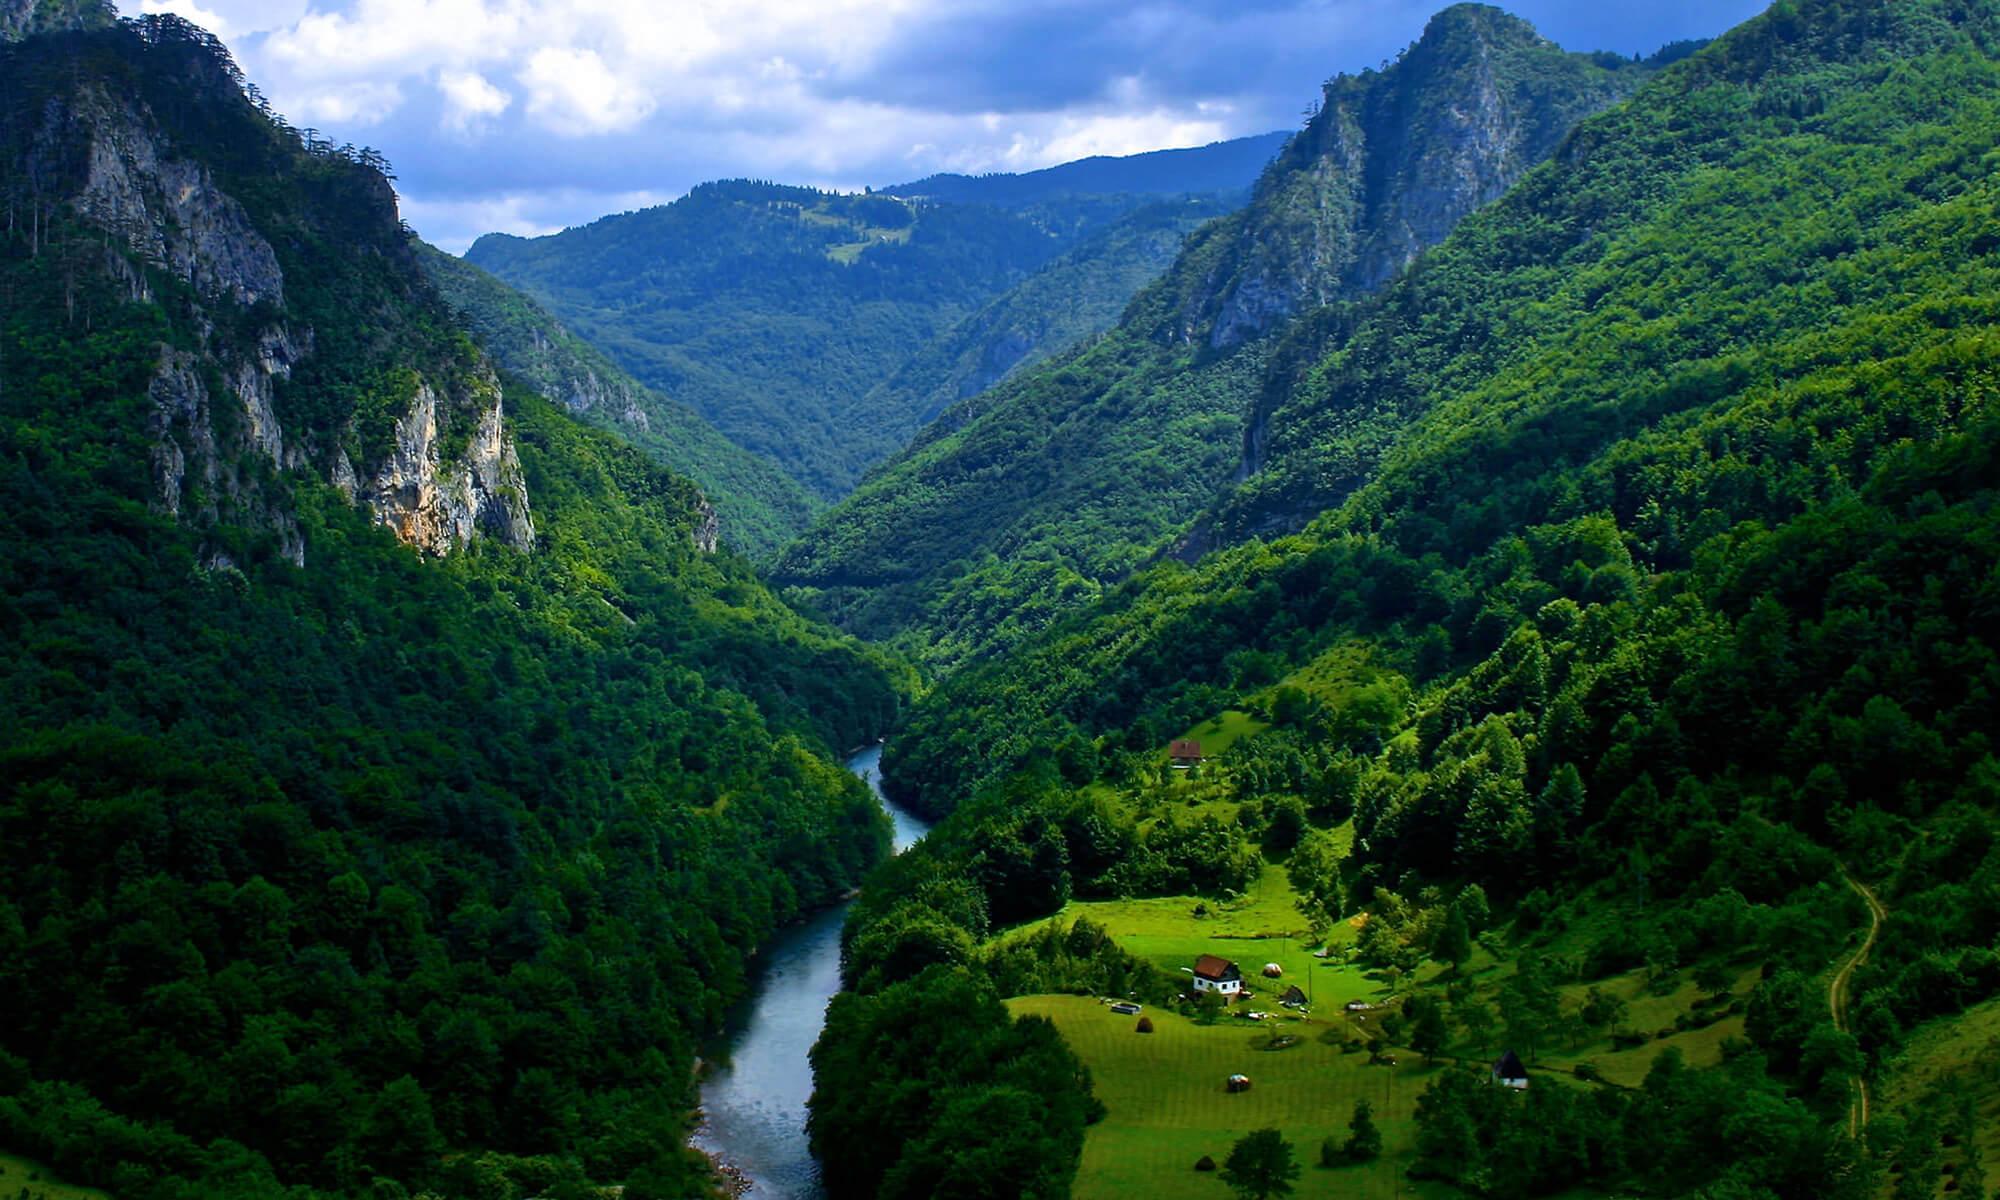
(1838, 999)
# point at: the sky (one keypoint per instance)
(528, 116)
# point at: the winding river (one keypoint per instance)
(754, 1103)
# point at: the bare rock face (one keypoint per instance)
(438, 507)
(24, 18)
(167, 210)
(707, 528)
(202, 476)
(1389, 166)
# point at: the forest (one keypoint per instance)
(379, 874)
(1551, 647)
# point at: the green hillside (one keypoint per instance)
(1628, 705)
(395, 782)
(1074, 475)
(773, 311)
(759, 505)
(1077, 296)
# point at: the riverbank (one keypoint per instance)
(754, 1094)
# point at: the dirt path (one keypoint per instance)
(1837, 998)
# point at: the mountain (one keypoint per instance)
(1072, 299)
(1218, 167)
(1627, 707)
(25, 18)
(1070, 476)
(783, 315)
(396, 779)
(759, 506)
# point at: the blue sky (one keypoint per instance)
(530, 115)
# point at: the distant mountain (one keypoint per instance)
(1073, 298)
(1216, 167)
(1066, 477)
(759, 506)
(820, 331)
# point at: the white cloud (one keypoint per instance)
(575, 91)
(470, 99)
(355, 105)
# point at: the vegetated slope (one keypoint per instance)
(773, 310)
(394, 784)
(1073, 474)
(760, 507)
(1077, 296)
(1681, 567)
(1216, 167)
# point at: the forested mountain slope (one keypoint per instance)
(1079, 295)
(1072, 475)
(776, 312)
(394, 778)
(1655, 630)
(760, 507)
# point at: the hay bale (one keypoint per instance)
(1145, 1025)
(1204, 1163)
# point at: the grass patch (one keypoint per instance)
(1168, 1105)
(26, 1177)
(1959, 1056)
(1220, 732)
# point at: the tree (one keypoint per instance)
(1478, 1018)
(1454, 940)
(1714, 978)
(1364, 1140)
(1260, 1166)
(1430, 1035)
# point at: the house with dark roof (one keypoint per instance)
(1185, 753)
(1219, 975)
(1509, 1072)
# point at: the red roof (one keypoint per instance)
(1208, 966)
(1185, 748)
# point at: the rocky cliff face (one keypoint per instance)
(1387, 167)
(438, 506)
(23, 18)
(170, 235)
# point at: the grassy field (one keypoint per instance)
(1958, 1056)
(25, 1177)
(1222, 731)
(1169, 1106)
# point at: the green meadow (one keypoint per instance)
(25, 1177)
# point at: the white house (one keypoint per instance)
(1219, 975)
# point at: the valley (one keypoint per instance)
(1452, 652)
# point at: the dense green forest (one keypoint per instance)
(1661, 507)
(1073, 298)
(1070, 477)
(382, 873)
(822, 331)
(760, 507)
(775, 311)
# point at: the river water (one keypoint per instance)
(755, 1104)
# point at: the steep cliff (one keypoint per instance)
(758, 506)
(25, 18)
(330, 869)
(1389, 164)
(1067, 476)
(137, 176)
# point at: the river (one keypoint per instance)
(754, 1101)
